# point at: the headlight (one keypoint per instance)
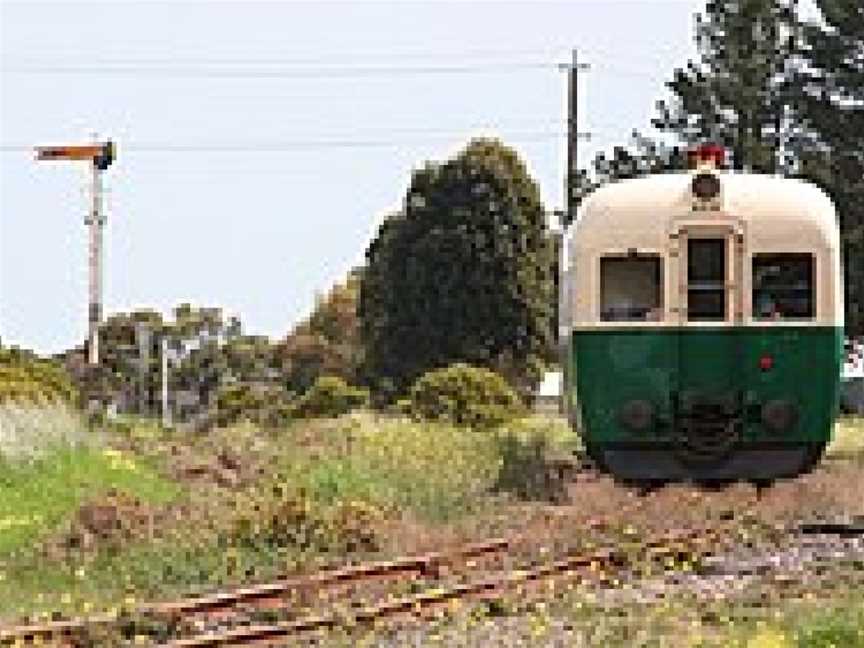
(638, 415)
(780, 415)
(705, 186)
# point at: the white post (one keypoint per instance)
(166, 414)
(94, 221)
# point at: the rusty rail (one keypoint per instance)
(416, 603)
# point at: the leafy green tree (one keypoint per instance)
(327, 343)
(462, 273)
(129, 371)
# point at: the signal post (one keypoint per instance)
(100, 156)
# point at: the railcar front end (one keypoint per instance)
(704, 326)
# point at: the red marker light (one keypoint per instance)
(707, 153)
(766, 362)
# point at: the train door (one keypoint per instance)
(708, 346)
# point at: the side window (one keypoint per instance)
(783, 286)
(631, 288)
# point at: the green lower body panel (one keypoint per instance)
(723, 401)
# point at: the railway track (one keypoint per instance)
(227, 618)
(263, 595)
(417, 605)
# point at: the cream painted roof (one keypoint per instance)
(629, 211)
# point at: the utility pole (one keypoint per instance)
(573, 133)
(100, 156)
(566, 217)
(143, 335)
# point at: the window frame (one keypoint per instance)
(661, 309)
(755, 317)
(699, 285)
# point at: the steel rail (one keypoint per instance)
(424, 564)
(416, 603)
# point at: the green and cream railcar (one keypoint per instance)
(703, 319)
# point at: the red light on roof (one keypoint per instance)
(707, 153)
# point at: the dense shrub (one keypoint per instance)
(328, 397)
(294, 520)
(464, 395)
(268, 406)
(28, 378)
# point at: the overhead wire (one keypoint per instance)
(340, 71)
(275, 147)
(294, 68)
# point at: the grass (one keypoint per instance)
(432, 470)
(50, 464)
(848, 441)
(337, 474)
(346, 474)
(36, 496)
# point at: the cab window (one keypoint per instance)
(783, 286)
(631, 288)
(706, 279)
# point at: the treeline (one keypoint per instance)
(462, 274)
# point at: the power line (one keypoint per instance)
(264, 147)
(286, 72)
(324, 144)
(341, 59)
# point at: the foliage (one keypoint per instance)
(462, 274)
(831, 97)
(328, 342)
(330, 396)
(292, 520)
(641, 157)
(129, 371)
(738, 92)
(832, 627)
(464, 395)
(525, 470)
(24, 377)
(265, 405)
(426, 470)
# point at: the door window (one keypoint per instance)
(631, 288)
(783, 286)
(706, 279)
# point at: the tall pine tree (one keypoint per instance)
(831, 97)
(738, 92)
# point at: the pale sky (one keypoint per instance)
(348, 97)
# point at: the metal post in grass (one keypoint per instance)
(166, 413)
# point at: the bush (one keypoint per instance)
(330, 397)
(28, 378)
(294, 520)
(464, 395)
(266, 406)
(526, 471)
